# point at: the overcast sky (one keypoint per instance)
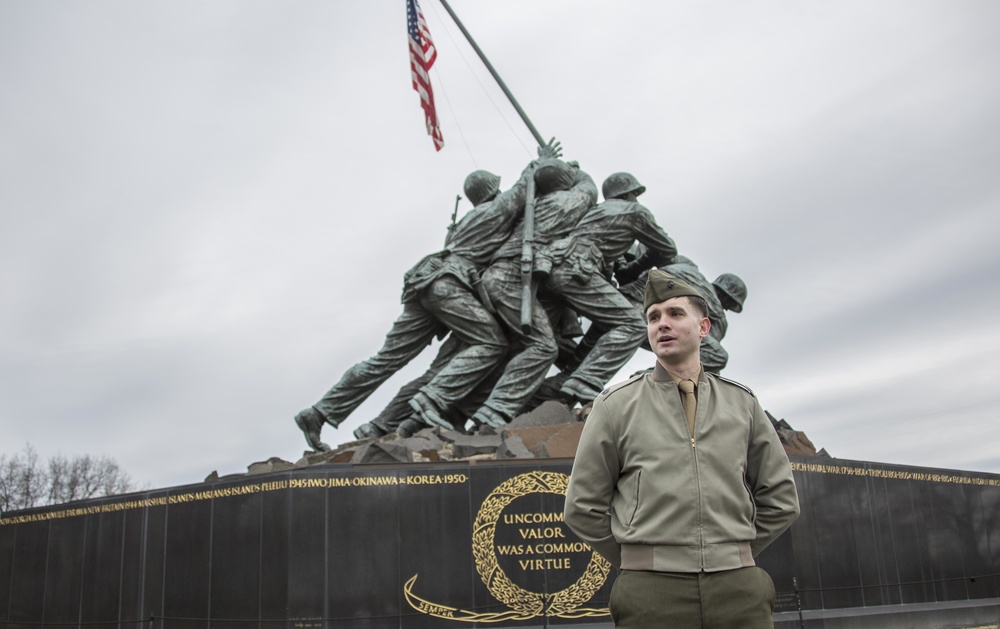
(206, 209)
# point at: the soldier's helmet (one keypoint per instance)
(731, 286)
(553, 175)
(620, 184)
(481, 186)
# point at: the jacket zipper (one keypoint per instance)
(697, 476)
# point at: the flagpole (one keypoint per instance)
(489, 66)
(527, 241)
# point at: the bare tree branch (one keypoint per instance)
(26, 482)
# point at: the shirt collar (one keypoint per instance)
(660, 374)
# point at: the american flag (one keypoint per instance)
(422, 56)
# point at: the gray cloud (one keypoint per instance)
(206, 210)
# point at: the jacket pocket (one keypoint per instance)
(625, 501)
(753, 503)
(635, 498)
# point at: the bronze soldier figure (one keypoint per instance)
(580, 280)
(564, 193)
(439, 295)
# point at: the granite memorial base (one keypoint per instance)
(428, 545)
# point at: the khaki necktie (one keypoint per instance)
(690, 402)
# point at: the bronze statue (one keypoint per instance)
(439, 295)
(492, 367)
(563, 194)
(579, 279)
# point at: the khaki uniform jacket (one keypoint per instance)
(648, 496)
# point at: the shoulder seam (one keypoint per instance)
(606, 393)
(738, 384)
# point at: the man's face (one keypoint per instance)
(675, 329)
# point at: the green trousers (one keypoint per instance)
(732, 599)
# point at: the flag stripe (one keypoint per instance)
(422, 56)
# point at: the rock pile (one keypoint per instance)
(550, 431)
(794, 441)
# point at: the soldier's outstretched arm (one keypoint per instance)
(584, 190)
(512, 200)
(657, 242)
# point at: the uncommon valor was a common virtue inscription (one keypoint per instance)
(511, 540)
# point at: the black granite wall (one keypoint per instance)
(873, 534)
(437, 545)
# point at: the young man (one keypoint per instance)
(680, 480)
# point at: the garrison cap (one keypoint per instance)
(662, 286)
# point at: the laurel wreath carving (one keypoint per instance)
(562, 603)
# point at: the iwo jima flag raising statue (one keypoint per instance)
(517, 273)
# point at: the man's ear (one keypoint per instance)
(703, 327)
